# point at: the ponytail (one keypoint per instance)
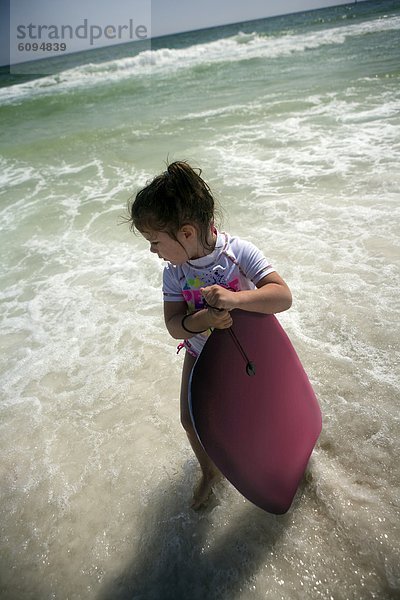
(177, 197)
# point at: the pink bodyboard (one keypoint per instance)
(259, 429)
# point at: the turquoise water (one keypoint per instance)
(295, 122)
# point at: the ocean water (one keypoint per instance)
(295, 122)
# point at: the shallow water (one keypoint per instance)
(295, 122)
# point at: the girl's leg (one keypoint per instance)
(210, 473)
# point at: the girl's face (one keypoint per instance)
(167, 248)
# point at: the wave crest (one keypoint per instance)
(240, 47)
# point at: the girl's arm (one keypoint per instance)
(271, 296)
(196, 322)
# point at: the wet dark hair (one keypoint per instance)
(177, 197)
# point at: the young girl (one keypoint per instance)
(208, 273)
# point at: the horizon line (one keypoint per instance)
(177, 33)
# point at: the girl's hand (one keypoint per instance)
(219, 297)
(219, 319)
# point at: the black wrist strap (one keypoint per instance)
(190, 330)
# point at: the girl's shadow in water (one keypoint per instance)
(181, 554)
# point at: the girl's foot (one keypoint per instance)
(203, 489)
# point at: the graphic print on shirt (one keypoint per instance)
(191, 289)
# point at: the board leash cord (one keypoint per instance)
(250, 366)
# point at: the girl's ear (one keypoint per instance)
(189, 231)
